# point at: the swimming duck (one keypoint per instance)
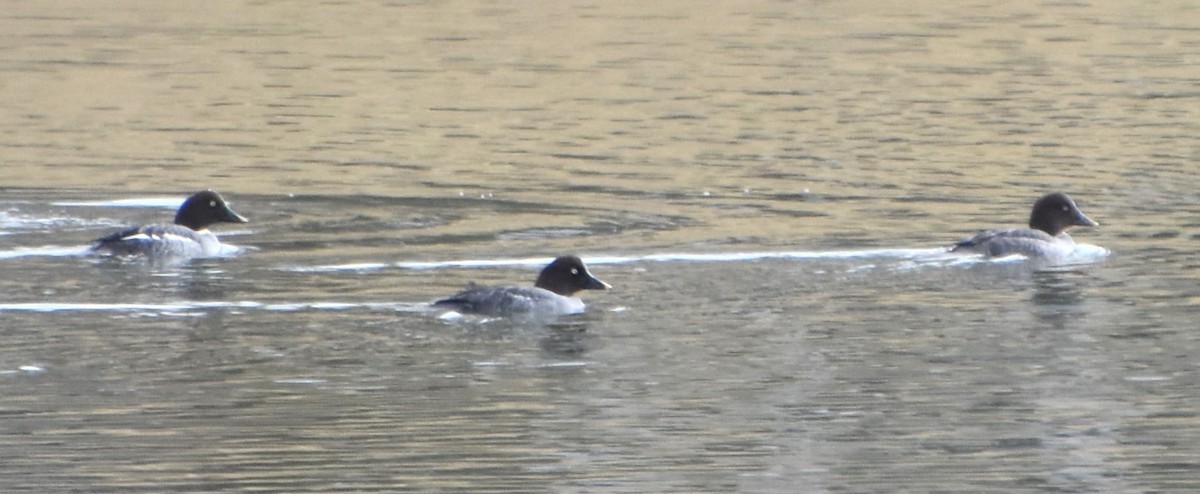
(1046, 236)
(187, 237)
(553, 293)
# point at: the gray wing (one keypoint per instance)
(153, 240)
(1004, 242)
(498, 300)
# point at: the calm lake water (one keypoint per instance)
(767, 185)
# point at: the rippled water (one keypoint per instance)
(768, 186)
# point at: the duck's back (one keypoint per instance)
(160, 241)
(1024, 241)
(510, 300)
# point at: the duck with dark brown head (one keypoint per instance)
(1046, 236)
(553, 294)
(187, 237)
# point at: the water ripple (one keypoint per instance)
(1084, 254)
(187, 306)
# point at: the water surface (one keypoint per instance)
(767, 185)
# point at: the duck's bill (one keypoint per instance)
(232, 217)
(594, 283)
(1082, 220)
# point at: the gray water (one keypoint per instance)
(767, 185)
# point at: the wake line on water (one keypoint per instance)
(191, 306)
(227, 250)
(935, 256)
(46, 251)
(929, 254)
(145, 202)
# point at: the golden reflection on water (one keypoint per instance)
(364, 98)
(750, 125)
(789, 124)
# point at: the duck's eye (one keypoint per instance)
(574, 271)
(1066, 208)
(212, 204)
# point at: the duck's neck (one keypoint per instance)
(1049, 226)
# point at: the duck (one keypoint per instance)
(553, 294)
(1046, 237)
(187, 237)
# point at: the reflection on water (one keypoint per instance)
(770, 187)
(1058, 299)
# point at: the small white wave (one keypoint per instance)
(565, 365)
(145, 202)
(45, 251)
(1089, 252)
(98, 307)
(29, 369)
(936, 256)
(11, 221)
(538, 262)
(229, 250)
(1080, 254)
(301, 381)
(330, 306)
(479, 263)
(1147, 379)
(188, 306)
(755, 256)
(330, 268)
(687, 257)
